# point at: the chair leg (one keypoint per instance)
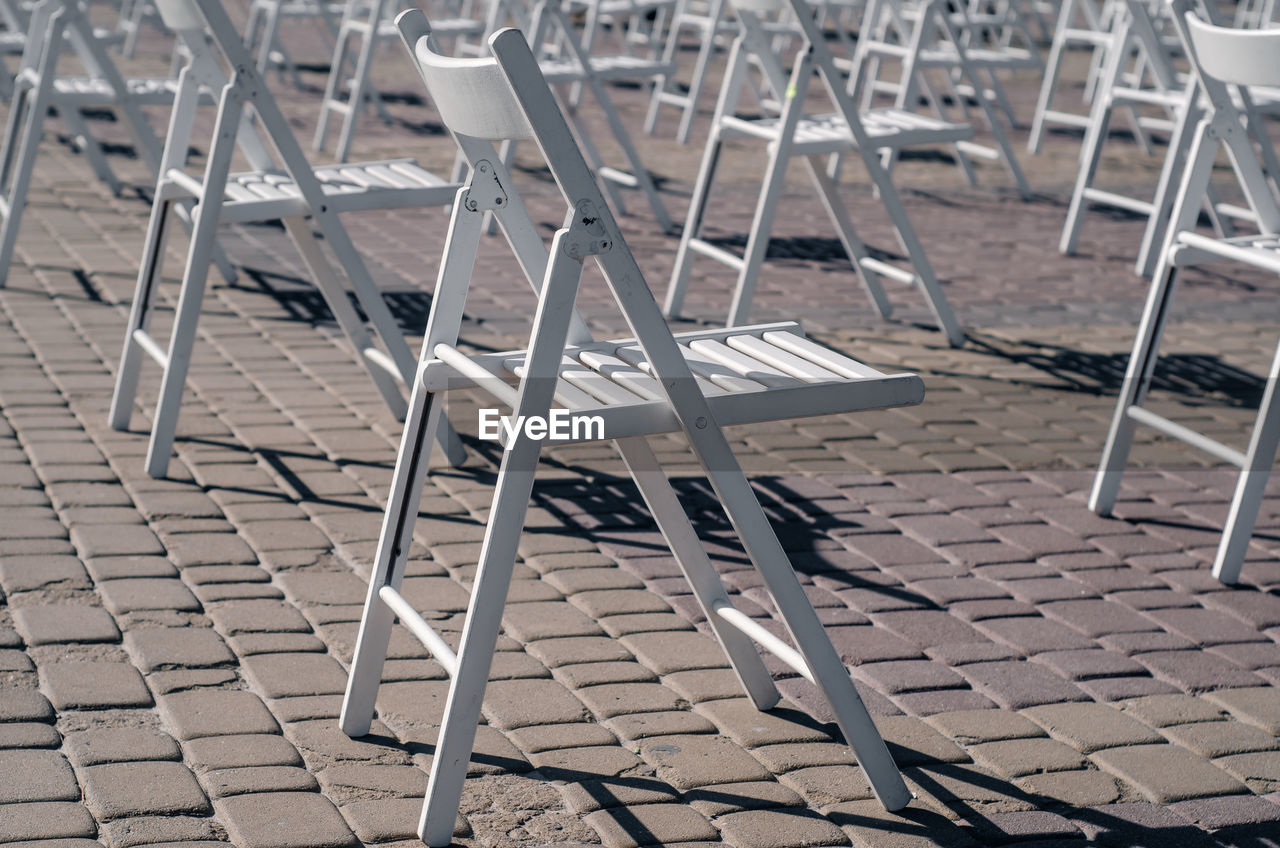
(498, 551)
(1137, 380)
(140, 313)
(1252, 483)
(706, 50)
(853, 246)
(91, 149)
(332, 89)
(761, 227)
(825, 667)
(683, 265)
(424, 418)
(26, 117)
(1053, 66)
(1153, 235)
(1090, 156)
(359, 92)
(1142, 362)
(199, 256)
(388, 567)
(345, 314)
(664, 505)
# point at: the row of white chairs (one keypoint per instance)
(653, 382)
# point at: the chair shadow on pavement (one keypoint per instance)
(1191, 377)
(940, 814)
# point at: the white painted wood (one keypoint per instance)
(794, 132)
(39, 90)
(1224, 127)
(282, 185)
(563, 363)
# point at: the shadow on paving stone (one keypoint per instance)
(1199, 376)
(808, 248)
(301, 301)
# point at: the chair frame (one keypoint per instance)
(813, 55)
(1223, 127)
(204, 28)
(590, 232)
(55, 24)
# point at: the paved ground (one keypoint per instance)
(173, 652)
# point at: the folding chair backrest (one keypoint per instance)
(180, 15)
(471, 95)
(1236, 57)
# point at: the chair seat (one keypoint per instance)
(766, 372)
(605, 68)
(1259, 251)
(267, 195)
(818, 134)
(92, 91)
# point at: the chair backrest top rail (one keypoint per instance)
(471, 95)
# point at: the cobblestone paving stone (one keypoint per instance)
(173, 652)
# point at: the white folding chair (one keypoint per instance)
(1137, 72)
(40, 90)
(925, 38)
(707, 22)
(638, 25)
(812, 137)
(567, 65)
(1080, 23)
(652, 383)
(281, 187)
(262, 30)
(1222, 59)
(134, 15)
(366, 24)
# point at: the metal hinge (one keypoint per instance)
(484, 191)
(586, 235)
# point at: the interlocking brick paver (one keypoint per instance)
(284, 675)
(45, 820)
(687, 762)
(163, 647)
(119, 745)
(28, 735)
(1090, 727)
(53, 623)
(770, 828)
(1074, 788)
(124, 596)
(94, 685)
(216, 713)
(651, 824)
(285, 820)
(1256, 705)
(36, 776)
(223, 783)
(1021, 757)
(120, 790)
(1016, 685)
(1167, 773)
(1195, 671)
